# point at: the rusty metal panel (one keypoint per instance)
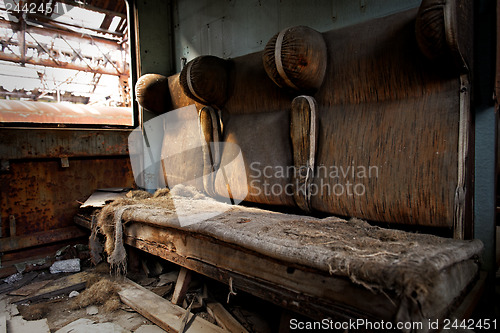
(42, 196)
(44, 237)
(57, 143)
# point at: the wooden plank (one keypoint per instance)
(160, 311)
(27, 278)
(185, 318)
(6, 271)
(29, 289)
(224, 318)
(181, 286)
(60, 286)
(16, 257)
(27, 265)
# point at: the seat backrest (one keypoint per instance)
(390, 140)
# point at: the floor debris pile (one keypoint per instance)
(157, 297)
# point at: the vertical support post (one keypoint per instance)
(150, 22)
(485, 181)
(153, 23)
(133, 61)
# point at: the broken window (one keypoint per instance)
(64, 62)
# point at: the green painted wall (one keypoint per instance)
(176, 29)
(231, 28)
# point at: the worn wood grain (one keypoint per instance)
(289, 263)
(57, 287)
(224, 318)
(304, 135)
(181, 286)
(387, 109)
(29, 289)
(160, 311)
(14, 243)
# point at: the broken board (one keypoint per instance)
(224, 318)
(160, 311)
(60, 286)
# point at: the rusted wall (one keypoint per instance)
(55, 143)
(39, 192)
(42, 195)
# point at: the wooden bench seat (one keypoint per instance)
(321, 267)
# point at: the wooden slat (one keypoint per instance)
(224, 318)
(29, 289)
(181, 286)
(160, 311)
(29, 264)
(27, 278)
(60, 286)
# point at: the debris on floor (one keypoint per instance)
(99, 291)
(92, 310)
(13, 278)
(65, 266)
(93, 300)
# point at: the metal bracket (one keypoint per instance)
(4, 166)
(64, 162)
(12, 225)
(362, 5)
